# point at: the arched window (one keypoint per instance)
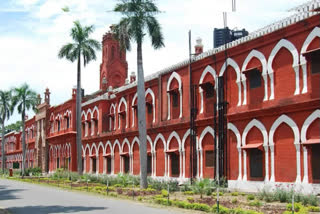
(174, 93)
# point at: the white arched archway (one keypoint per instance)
(235, 130)
(208, 70)
(283, 43)
(124, 102)
(161, 138)
(176, 76)
(176, 136)
(207, 130)
(287, 120)
(133, 106)
(313, 34)
(256, 123)
(149, 91)
(234, 65)
(310, 119)
(258, 55)
(112, 112)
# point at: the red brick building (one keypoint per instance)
(273, 113)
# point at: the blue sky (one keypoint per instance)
(32, 31)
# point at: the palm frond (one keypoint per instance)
(154, 30)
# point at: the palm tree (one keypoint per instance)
(6, 110)
(138, 20)
(83, 47)
(25, 99)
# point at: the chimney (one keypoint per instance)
(199, 46)
(132, 77)
(47, 96)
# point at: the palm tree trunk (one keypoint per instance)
(142, 119)
(2, 147)
(23, 139)
(78, 118)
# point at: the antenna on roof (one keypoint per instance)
(233, 5)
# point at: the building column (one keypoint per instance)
(305, 165)
(272, 179)
(92, 127)
(112, 164)
(240, 165)
(298, 179)
(201, 163)
(166, 165)
(245, 165)
(184, 163)
(152, 164)
(104, 165)
(180, 164)
(84, 164)
(97, 163)
(266, 150)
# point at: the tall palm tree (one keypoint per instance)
(25, 99)
(83, 47)
(6, 110)
(137, 21)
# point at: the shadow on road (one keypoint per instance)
(53, 209)
(8, 194)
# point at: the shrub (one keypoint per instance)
(113, 194)
(250, 197)
(188, 193)
(222, 209)
(163, 201)
(36, 171)
(314, 209)
(265, 195)
(255, 203)
(234, 193)
(190, 199)
(234, 200)
(164, 193)
(204, 186)
(140, 198)
(201, 207)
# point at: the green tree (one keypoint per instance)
(24, 99)
(14, 127)
(138, 19)
(84, 47)
(6, 109)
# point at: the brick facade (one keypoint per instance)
(273, 129)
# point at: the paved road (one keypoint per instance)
(20, 197)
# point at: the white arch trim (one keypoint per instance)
(207, 130)
(126, 141)
(174, 134)
(207, 70)
(262, 59)
(287, 120)
(313, 34)
(149, 91)
(235, 130)
(123, 101)
(116, 142)
(135, 140)
(160, 137)
(256, 123)
(235, 66)
(283, 43)
(310, 119)
(176, 76)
